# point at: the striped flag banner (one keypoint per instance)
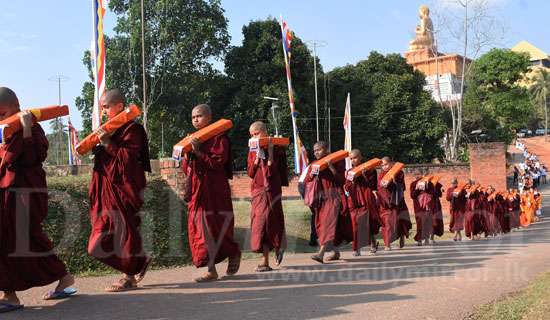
(98, 59)
(347, 130)
(301, 160)
(73, 141)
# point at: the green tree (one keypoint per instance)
(391, 113)
(182, 38)
(495, 102)
(540, 89)
(256, 69)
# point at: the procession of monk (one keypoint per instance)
(350, 205)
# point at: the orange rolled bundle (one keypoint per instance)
(369, 165)
(12, 124)
(421, 185)
(204, 134)
(435, 179)
(92, 140)
(474, 188)
(461, 186)
(334, 157)
(256, 143)
(397, 167)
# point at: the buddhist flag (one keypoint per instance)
(73, 141)
(300, 153)
(98, 59)
(347, 130)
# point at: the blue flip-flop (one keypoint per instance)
(57, 295)
(8, 307)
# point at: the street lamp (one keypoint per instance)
(273, 107)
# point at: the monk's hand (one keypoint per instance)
(104, 137)
(269, 152)
(196, 146)
(26, 122)
(257, 160)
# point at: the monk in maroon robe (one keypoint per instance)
(437, 220)
(423, 203)
(325, 196)
(269, 173)
(116, 196)
(473, 224)
(457, 207)
(494, 210)
(362, 206)
(26, 256)
(211, 221)
(513, 209)
(394, 214)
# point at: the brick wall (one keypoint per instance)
(488, 164)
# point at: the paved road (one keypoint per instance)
(441, 282)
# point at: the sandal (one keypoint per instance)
(58, 295)
(208, 277)
(334, 257)
(317, 258)
(233, 265)
(122, 285)
(263, 268)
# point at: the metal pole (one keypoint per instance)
(143, 66)
(273, 107)
(162, 138)
(315, 79)
(58, 122)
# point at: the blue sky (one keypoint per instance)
(40, 39)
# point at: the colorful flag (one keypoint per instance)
(98, 59)
(347, 130)
(300, 153)
(73, 141)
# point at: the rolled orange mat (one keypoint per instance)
(321, 164)
(255, 143)
(435, 179)
(461, 186)
(397, 167)
(12, 124)
(92, 140)
(369, 165)
(203, 135)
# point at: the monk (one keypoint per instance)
(269, 173)
(494, 212)
(437, 220)
(211, 221)
(528, 208)
(472, 216)
(513, 209)
(457, 207)
(421, 195)
(361, 202)
(116, 196)
(394, 214)
(328, 205)
(26, 256)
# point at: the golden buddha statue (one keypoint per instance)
(424, 31)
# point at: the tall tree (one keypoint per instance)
(256, 69)
(495, 101)
(182, 38)
(391, 113)
(540, 89)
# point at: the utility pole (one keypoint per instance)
(316, 44)
(59, 121)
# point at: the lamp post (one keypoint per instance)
(273, 107)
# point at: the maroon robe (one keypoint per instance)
(394, 214)
(362, 207)
(494, 210)
(211, 220)
(513, 208)
(267, 220)
(473, 224)
(332, 223)
(457, 208)
(116, 196)
(422, 205)
(502, 214)
(437, 220)
(26, 256)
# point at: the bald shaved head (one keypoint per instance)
(355, 157)
(201, 116)
(204, 108)
(355, 153)
(114, 96)
(8, 98)
(386, 163)
(258, 129)
(320, 149)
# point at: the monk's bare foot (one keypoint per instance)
(356, 253)
(141, 275)
(207, 277)
(124, 284)
(334, 257)
(263, 268)
(11, 298)
(388, 248)
(65, 282)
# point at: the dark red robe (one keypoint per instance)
(363, 209)
(457, 208)
(267, 220)
(423, 205)
(513, 208)
(394, 214)
(502, 214)
(211, 221)
(473, 224)
(332, 221)
(116, 196)
(494, 211)
(26, 256)
(437, 220)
